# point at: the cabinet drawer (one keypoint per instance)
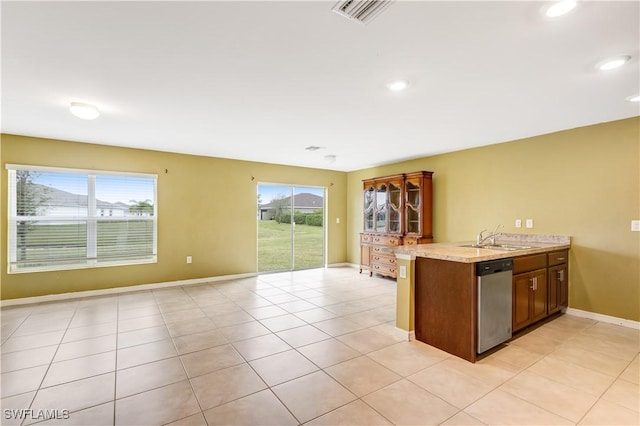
(386, 241)
(529, 263)
(384, 269)
(558, 257)
(365, 238)
(382, 259)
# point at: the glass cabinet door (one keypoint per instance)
(369, 207)
(381, 208)
(395, 206)
(412, 207)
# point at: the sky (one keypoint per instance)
(269, 192)
(112, 189)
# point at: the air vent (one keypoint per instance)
(363, 11)
(313, 148)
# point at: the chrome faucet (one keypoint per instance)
(480, 238)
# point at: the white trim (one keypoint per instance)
(117, 290)
(403, 256)
(604, 318)
(342, 265)
(404, 334)
(77, 171)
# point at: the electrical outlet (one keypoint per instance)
(518, 223)
(635, 225)
(529, 223)
(403, 271)
(337, 220)
(189, 259)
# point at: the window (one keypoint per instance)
(57, 218)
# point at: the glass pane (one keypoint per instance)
(50, 194)
(381, 219)
(368, 220)
(119, 196)
(41, 242)
(413, 194)
(308, 228)
(369, 205)
(394, 220)
(274, 228)
(394, 195)
(413, 221)
(125, 238)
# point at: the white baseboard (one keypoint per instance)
(116, 290)
(404, 334)
(603, 318)
(342, 265)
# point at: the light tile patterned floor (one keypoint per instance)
(313, 347)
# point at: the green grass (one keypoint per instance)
(274, 246)
(44, 241)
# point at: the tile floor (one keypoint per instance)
(310, 347)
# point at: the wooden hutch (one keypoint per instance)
(397, 211)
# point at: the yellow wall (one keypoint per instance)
(583, 182)
(206, 209)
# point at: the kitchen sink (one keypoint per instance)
(506, 247)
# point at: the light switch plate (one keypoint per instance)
(518, 223)
(635, 225)
(189, 259)
(529, 223)
(403, 271)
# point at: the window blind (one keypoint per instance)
(68, 218)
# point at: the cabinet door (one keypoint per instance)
(412, 206)
(558, 288)
(539, 295)
(365, 256)
(369, 206)
(563, 287)
(522, 286)
(395, 207)
(381, 208)
(552, 290)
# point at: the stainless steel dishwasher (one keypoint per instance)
(494, 302)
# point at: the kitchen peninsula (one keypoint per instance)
(437, 294)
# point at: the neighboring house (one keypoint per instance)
(62, 203)
(304, 203)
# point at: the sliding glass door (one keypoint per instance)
(290, 227)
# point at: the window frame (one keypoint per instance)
(92, 218)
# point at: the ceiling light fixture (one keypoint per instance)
(84, 111)
(634, 98)
(398, 85)
(612, 63)
(560, 8)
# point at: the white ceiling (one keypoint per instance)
(261, 81)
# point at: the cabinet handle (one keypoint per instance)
(560, 258)
(560, 275)
(532, 285)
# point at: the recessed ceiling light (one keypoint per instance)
(634, 98)
(612, 63)
(560, 8)
(398, 85)
(84, 111)
(330, 158)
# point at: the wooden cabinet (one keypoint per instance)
(558, 274)
(397, 210)
(529, 290)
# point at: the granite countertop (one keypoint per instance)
(456, 253)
